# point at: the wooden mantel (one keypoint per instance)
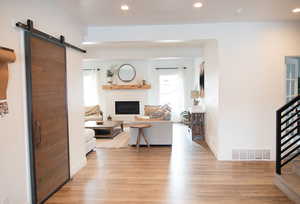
(124, 87)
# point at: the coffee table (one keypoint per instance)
(112, 127)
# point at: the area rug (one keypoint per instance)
(119, 141)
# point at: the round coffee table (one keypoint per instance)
(141, 127)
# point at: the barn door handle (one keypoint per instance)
(37, 133)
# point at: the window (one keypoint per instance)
(171, 92)
(90, 88)
(292, 79)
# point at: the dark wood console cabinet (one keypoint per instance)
(197, 126)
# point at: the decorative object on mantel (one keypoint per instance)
(195, 94)
(109, 76)
(143, 82)
(120, 87)
(6, 56)
(202, 79)
(114, 69)
(109, 118)
(126, 73)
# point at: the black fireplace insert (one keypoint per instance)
(127, 107)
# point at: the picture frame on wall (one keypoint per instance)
(202, 79)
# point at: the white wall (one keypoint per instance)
(211, 58)
(252, 85)
(142, 53)
(251, 73)
(14, 180)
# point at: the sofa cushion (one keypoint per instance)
(92, 110)
(158, 112)
(93, 118)
(93, 113)
(150, 109)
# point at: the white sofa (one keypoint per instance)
(90, 140)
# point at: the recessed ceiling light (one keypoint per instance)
(296, 10)
(198, 5)
(89, 43)
(125, 7)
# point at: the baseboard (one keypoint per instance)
(75, 168)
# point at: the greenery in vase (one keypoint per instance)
(185, 116)
(109, 73)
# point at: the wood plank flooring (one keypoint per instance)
(188, 173)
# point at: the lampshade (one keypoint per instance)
(195, 94)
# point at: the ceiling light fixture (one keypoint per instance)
(198, 5)
(124, 7)
(296, 10)
(89, 43)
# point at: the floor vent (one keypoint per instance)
(252, 155)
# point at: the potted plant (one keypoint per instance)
(113, 69)
(185, 117)
(109, 76)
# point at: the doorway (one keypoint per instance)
(292, 77)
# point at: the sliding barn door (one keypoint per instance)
(48, 120)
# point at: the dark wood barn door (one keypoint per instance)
(47, 113)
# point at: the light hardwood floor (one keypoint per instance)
(186, 174)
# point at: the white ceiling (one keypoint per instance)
(145, 12)
(148, 44)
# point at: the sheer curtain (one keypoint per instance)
(90, 87)
(171, 91)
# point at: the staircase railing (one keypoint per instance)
(287, 133)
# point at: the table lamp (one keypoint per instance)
(195, 94)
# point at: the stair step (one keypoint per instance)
(289, 184)
(297, 167)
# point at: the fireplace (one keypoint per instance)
(127, 107)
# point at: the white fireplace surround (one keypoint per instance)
(111, 96)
